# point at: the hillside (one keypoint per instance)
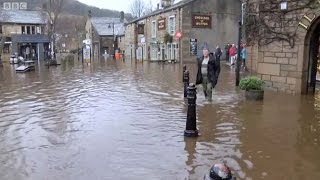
(73, 7)
(78, 8)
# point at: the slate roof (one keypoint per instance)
(28, 38)
(156, 12)
(101, 25)
(23, 17)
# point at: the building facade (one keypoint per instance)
(284, 50)
(106, 34)
(177, 31)
(24, 33)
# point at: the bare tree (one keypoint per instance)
(149, 8)
(266, 23)
(54, 9)
(137, 8)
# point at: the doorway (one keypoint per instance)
(313, 77)
(28, 51)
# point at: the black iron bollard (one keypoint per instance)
(184, 69)
(221, 172)
(185, 83)
(191, 125)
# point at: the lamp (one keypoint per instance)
(284, 6)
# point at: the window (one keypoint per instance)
(171, 25)
(41, 30)
(0, 29)
(33, 29)
(23, 30)
(28, 30)
(154, 29)
(38, 30)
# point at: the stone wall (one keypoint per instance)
(129, 40)
(9, 29)
(283, 67)
(225, 17)
(278, 66)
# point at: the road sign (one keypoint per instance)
(87, 41)
(86, 54)
(178, 35)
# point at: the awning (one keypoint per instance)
(30, 38)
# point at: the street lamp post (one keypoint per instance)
(238, 56)
(238, 61)
(113, 38)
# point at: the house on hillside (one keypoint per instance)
(25, 33)
(177, 31)
(106, 34)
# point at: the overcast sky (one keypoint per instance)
(119, 5)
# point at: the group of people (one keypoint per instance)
(232, 54)
(209, 65)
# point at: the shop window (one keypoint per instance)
(23, 30)
(33, 30)
(28, 30)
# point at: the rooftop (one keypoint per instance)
(159, 11)
(104, 26)
(23, 17)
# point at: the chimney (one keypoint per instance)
(158, 6)
(121, 16)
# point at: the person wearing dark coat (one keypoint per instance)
(227, 48)
(218, 52)
(208, 71)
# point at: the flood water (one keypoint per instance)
(122, 120)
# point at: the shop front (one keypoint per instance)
(33, 47)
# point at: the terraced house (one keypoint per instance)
(177, 31)
(106, 34)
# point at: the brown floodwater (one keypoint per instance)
(121, 120)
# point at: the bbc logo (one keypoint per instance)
(15, 5)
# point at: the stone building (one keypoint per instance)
(106, 34)
(24, 32)
(284, 43)
(156, 36)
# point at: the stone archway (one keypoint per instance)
(311, 52)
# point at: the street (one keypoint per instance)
(125, 120)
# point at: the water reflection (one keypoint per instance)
(117, 119)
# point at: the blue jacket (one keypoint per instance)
(244, 53)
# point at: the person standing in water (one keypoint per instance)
(208, 71)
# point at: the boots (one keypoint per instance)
(205, 94)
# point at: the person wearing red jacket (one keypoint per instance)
(233, 54)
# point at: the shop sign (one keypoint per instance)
(201, 21)
(162, 24)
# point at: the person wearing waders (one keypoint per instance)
(208, 71)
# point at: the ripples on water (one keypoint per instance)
(126, 121)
